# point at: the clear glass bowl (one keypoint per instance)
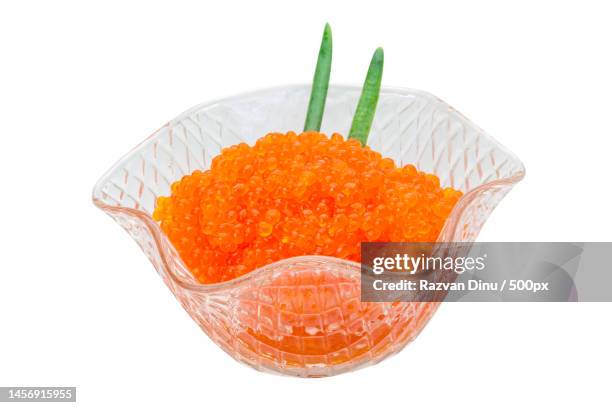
(253, 318)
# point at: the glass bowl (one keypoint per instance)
(255, 318)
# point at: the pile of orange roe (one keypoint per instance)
(291, 195)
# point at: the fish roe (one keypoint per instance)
(291, 195)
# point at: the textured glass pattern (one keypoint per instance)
(252, 318)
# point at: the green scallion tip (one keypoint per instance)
(320, 83)
(366, 108)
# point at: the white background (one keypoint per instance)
(82, 83)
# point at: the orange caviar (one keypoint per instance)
(291, 195)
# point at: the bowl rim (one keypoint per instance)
(161, 241)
